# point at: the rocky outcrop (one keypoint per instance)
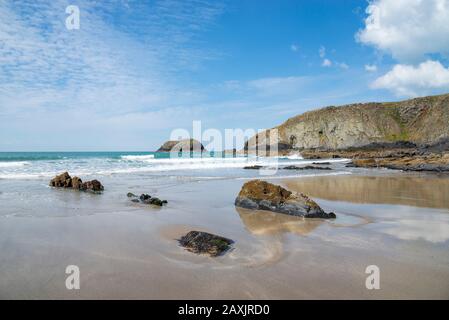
(146, 199)
(254, 167)
(430, 163)
(399, 156)
(64, 180)
(418, 121)
(293, 167)
(186, 145)
(262, 195)
(205, 243)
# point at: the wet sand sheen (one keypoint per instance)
(130, 251)
(428, 191)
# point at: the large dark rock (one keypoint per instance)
(186, 145)
(64, 180)
(205, 243)
(262, 195)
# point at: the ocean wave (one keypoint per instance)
(175, 159)
(137, 158)
(23, 176)
(294, 157)
(211, 163)
(179, 166)
(143, 164)
(13, 164)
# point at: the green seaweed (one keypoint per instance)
(220, 244)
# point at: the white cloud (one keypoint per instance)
(277, 85)
(326, 63)
(411, 81)
(370, 67)
(407, 29)
(294, 47)
(322, 52)
(342, 65)
(105, 70)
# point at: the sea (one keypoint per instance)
(396, 221)
(37, 165)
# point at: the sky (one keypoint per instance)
(135, 71)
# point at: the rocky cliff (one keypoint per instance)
(420, 121)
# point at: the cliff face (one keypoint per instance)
(421, 121)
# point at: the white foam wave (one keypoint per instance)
(181, 165)
(93, 167)
(23, 176)
(137, 158)
(175, 159)
(13, 164)
(295, 157)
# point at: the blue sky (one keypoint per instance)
(136, 70)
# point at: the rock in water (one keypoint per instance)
(254, 167)
(93, 186)
(262, 195)
(61, 181)
(65, 181)
(147, 199)
(205, 243)
(293, 167)
(76, 183)
(186, 145)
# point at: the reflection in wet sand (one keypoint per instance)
(419, 191)
(255, 253)
(270, 223)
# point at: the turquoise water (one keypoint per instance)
(33, 156)
(29, 165)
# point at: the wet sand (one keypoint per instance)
(125, 250)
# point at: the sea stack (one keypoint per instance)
(186, 145)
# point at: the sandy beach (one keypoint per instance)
(224, 150)
(124, 250)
